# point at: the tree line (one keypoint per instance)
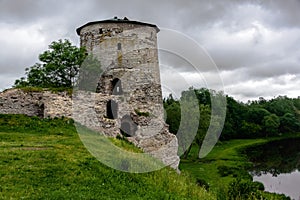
(64, 65)
(254, 119)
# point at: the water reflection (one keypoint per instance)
(277, 165)
(285, 183)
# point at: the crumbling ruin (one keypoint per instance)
(129, 97)
(127, 100)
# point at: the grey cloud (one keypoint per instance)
(214, 24)
(283, 13)
(274, 68)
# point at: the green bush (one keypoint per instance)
(226, 171)
(241, 189)
(202, 183)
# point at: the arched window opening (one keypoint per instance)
(117, 87)
(128, 127)
(119, 46)
(112, 109)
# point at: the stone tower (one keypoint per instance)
(129, 97)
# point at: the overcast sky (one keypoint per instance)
(255, 44)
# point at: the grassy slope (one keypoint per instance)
(225, 155)
(45, 159)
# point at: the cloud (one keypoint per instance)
(19, 46)
(254, 43)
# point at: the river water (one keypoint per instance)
(277, 165)
(285, 183)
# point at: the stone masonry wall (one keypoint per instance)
(42, 104)
(89, 109)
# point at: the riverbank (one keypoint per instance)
(224, 164)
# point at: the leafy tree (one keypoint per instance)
(289, 123)
(205, 116)
(296, 102)
(271, 124)
(235, 114)
(250, 130)
(256, 114)
(59, 67)
(203, 95)
(280, 105)
(173, 116)
(189, 122)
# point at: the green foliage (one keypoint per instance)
(240, 189)
(234, 115)
(256, 115)
(140, 113)
(189, 122)
(280, 105)
(271, 123)
(204, 122)
(202, 183)
(173, 112)
(250, 129)
(189, 118)
(29, 89)
(244, 189)
(289, 123)
(227, 171)
(59, 67)
(256, 119)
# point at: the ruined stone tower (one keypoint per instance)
(129, 97)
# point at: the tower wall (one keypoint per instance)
(130, 83)
(129, 49)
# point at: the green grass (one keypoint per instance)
(223, 154)
(45, 159)
(224, 164)
(40, 89)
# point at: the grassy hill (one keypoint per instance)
(45, 159)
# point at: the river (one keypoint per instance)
(276, 164)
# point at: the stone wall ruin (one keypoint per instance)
(127, 100)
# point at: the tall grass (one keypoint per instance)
(45, 159)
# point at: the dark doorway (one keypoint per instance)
(117, 87)
(119, 46)
(41, 110)
(128, 127)
(112, 109)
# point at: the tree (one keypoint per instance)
(234, 115)
(281, 105)
(204, 122)
(289, 123)
(189, 122)
(271, 124)
(59, 67)
(250, 129)
(173, 116)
